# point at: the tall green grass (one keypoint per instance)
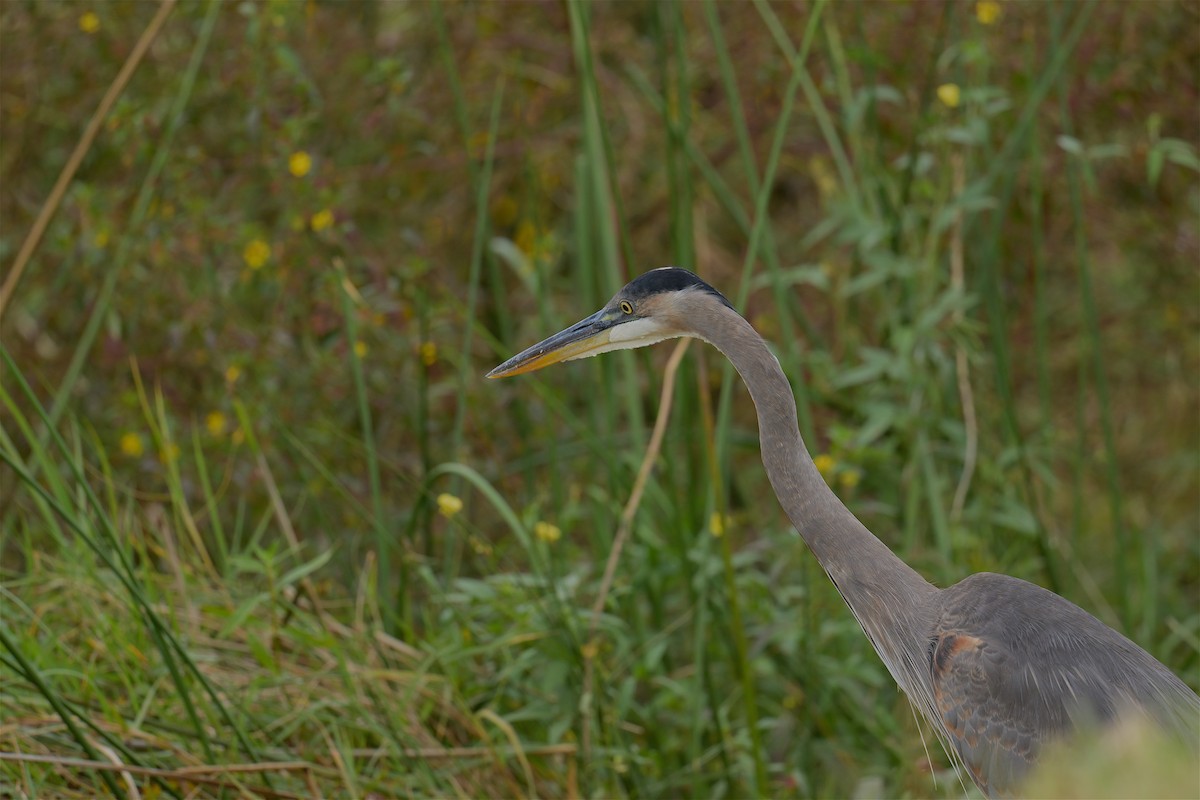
(271, 520)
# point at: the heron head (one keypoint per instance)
(649, 309)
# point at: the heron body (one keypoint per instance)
(997, 665)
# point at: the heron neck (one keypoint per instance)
(886, 595)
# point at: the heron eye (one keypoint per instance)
(626, 307)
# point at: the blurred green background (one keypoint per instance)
(259, 505)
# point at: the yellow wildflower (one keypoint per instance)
(360, 348)
(527, 235)
(850, 478)
(101, 239)
(825, 465)
(717, 524)
(481, 547)
(321, 220)
(987, 11)
(546, 532)
(131, 445)
(238, 436)
(949, 94)
(448, 505)
(591, 649)
(170, 452)
(216, 423)
(232, 373)
(256, 253)
(299, 163)
(89, 22)
(428, 353)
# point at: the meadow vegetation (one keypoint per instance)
(265, 530)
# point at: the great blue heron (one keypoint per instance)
(997, 665)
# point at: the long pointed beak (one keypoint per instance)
(578, 341)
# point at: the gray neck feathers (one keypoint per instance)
(889, 599)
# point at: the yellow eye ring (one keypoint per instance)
(626, 307)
